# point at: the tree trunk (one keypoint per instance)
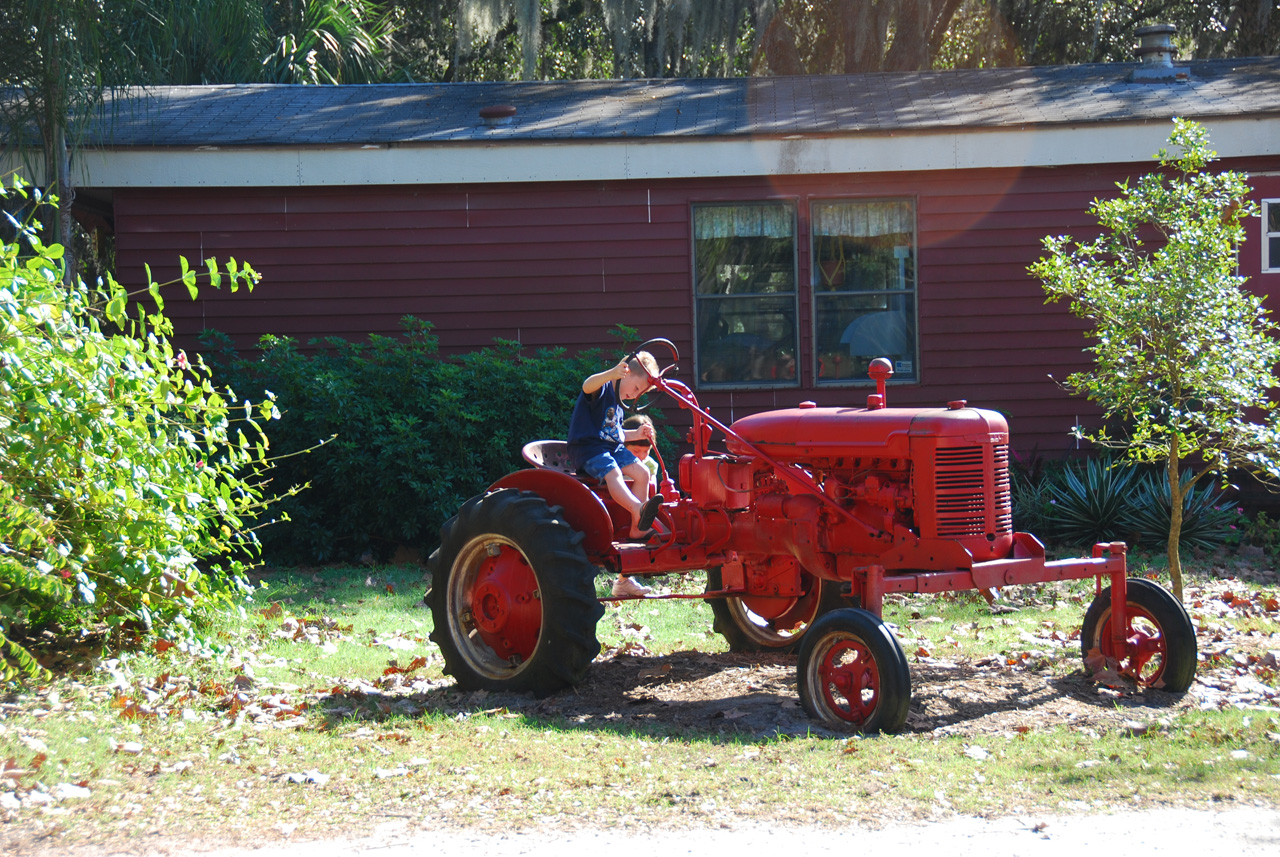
(66, 196)
(909, 50)
(528, 16)
(778, 47)
(865, 28)
(1176, 495)
(941, 24)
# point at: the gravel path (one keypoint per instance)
(1235, 832)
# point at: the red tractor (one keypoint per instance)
(804, 521)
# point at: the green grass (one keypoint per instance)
(661, 627)
(340, 680)
(1041, 622)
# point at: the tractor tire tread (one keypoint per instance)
(567, 642)
(1170, 615)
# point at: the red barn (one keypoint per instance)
(782, 231)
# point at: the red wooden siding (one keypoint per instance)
(560, 264)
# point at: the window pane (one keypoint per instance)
(745, 294)
(863, 246)
(747, 249)
(864, 282)
(1273, 252)
(747, 340)
(1273, 217)
(853, 330)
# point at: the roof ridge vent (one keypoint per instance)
(1155, 52)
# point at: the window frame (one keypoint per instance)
(1269, 265)
(814, 294)
(792, 203)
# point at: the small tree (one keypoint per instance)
(1182, 350)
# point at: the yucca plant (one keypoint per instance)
(1206, 516)
(1092, 502)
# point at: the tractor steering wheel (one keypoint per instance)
(663, 371)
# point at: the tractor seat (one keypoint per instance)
(550, 455)
(554, 455)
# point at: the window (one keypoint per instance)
(1271, 235)
(744, 262)
(864, 288)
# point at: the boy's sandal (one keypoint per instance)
(648, 512)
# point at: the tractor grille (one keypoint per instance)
(963, 506)
(1004, 490)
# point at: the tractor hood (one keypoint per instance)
(805, 433)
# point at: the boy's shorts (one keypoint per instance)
(598, 467)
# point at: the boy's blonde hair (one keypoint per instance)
(644, 360)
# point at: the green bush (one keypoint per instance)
(123, 472)
(1262, 532)
(413, 434)
(1033, 507)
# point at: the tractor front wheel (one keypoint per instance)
(513, 596)
(853, 674)
(1161, 645)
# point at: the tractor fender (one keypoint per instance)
(584, 511)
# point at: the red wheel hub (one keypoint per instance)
(505, 607)
(1143, 645)
(850, 681)
(786, 613)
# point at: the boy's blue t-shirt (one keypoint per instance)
(596, 424)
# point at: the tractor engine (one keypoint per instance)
(908, 479)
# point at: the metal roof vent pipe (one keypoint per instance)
(498, 114)
(1155, 53)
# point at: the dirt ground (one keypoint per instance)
(755, 694)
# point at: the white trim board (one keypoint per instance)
(614, 159)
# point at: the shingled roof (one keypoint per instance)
(281, 115)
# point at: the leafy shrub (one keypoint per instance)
(121, 467)
(1031, 477)
(1032, 506)
(413, 434)
(1262, 532)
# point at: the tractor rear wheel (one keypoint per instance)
(853, 674)
(762, 624)
(1162, 646)
(512, 596)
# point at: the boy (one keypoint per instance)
(597, 438)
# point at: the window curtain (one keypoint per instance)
(863, 219)
(743, 221)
